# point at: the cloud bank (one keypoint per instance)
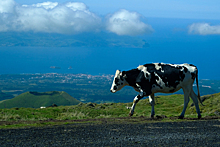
(51, 17)
(204, 29)
(66, 18)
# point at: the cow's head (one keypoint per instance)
(119, 81)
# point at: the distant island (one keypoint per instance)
(60, 40)
(55, 67)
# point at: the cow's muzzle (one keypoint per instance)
(112, 91)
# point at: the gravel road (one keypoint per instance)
(187, 133)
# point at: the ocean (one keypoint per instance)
(105, 60)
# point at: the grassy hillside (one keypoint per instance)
(170, 106)
(38, 99)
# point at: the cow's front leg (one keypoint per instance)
(136, 99)
(152, 102)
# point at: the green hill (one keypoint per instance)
(38, 99)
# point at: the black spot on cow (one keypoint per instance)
(192, 65)
(136, 77)
(117, 81)
(185, 69)
(159, 64)
(150, 67)
(181, 75)
(131, 77)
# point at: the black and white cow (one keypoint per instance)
(159, 77)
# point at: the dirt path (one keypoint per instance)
(112, 133)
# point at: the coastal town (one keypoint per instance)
(84, 87)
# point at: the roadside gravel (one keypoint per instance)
(187, 133)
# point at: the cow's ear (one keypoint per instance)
(118, 72)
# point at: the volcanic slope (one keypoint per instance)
(38, 99)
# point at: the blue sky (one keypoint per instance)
(197, 9)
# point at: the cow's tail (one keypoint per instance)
(197, 84)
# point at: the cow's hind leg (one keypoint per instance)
(136, 99)
(152, 102)
(186, 101)
(195, 101)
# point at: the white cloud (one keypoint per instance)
(68, 18)
(46, 5)
(124, 22)
(7, 6)
(204, 29)
(77, 6)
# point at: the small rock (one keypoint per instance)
(80, 104)
(53, 105)
(101, 107)
(217, 112)
(90, 105)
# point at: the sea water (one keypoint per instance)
(105, 60)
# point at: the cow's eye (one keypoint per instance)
(116, 80)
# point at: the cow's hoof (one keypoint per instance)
(180, 117)
(152, 116)
(130, 114)
(199, 116)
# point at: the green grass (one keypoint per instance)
(170, 106)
